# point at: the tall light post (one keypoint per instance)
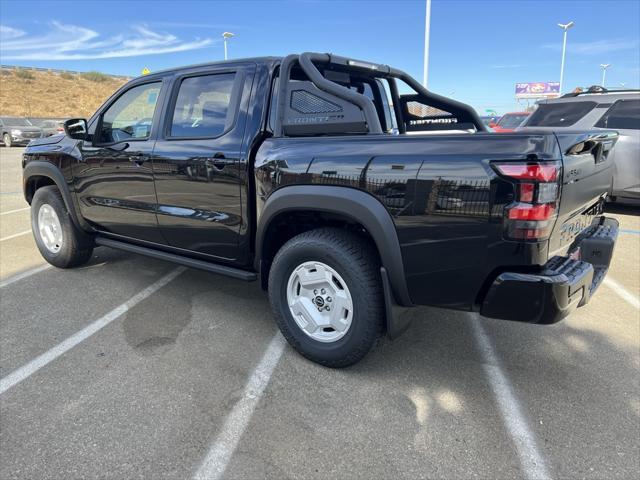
(427, 28)
(226, 36)
(604, 67)
(565, 27)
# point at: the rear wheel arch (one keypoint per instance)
(330, 206)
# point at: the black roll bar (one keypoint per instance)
(462, 111)
(366, 105)
(306, 61)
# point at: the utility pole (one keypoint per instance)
(226, 36)
(427, 28)
(564, 27)
(604, 67)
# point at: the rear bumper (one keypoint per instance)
(563, 284)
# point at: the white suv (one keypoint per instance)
(594, 109)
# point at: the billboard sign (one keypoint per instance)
(537, 89)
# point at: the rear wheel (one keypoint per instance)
(6, 138)
(325, 288)
(60, 242)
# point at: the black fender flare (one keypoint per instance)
(39, 168)
(355, 204)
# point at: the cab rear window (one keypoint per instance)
(559, 114)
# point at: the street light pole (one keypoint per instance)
(226, 36)
(427, 28)
(564, 27)
(604, 67)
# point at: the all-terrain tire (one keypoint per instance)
(356, 261)
(74, 247)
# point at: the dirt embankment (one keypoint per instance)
(30, 93)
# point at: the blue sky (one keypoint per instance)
(479, 49)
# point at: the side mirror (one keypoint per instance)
(76, 128)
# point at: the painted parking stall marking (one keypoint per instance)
(531, 462)
(23, 275)
(622, 292)
(15, 235)
(36, 364)
(15, 211)
(216, 461)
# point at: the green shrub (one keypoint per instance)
(95, 76)
(24, 74)
(66, 76)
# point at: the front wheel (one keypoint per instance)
(325, 288)
(60, 242)
(6, 138)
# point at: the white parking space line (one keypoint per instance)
(15, 211)
(531, 462)
(220, 454)
(25, 274)
(15, 235)
(622, 292)
(36, 364)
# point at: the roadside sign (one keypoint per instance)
(146, 71)
(537, 89)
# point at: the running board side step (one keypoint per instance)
(179, 259)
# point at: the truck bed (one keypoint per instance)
(447, 202)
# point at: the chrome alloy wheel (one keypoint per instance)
(320, 301)
(49, 228)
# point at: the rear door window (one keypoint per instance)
(624, 114)
(559, 114)
(202, 106)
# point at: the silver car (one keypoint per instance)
(595, 109)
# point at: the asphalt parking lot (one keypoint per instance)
(131, 368)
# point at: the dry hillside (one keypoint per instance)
(32, 93)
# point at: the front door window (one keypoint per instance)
(130, 117)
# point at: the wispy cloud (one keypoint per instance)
(512, 65)
(596, 47)
(8, 33)
(73, 42)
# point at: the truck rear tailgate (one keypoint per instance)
(586, 179)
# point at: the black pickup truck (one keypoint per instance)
(346, 199)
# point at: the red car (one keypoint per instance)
(509, 122)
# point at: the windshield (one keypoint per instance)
(512, 121)
(16, 122)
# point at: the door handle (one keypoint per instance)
(138, 158)
(219, 161)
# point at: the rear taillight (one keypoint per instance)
(531, 216)
(539, 172)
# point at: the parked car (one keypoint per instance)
(509, 122)
(271, 169)
(49, 126)
(490, 120)
(18, 131)
(600, 109)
